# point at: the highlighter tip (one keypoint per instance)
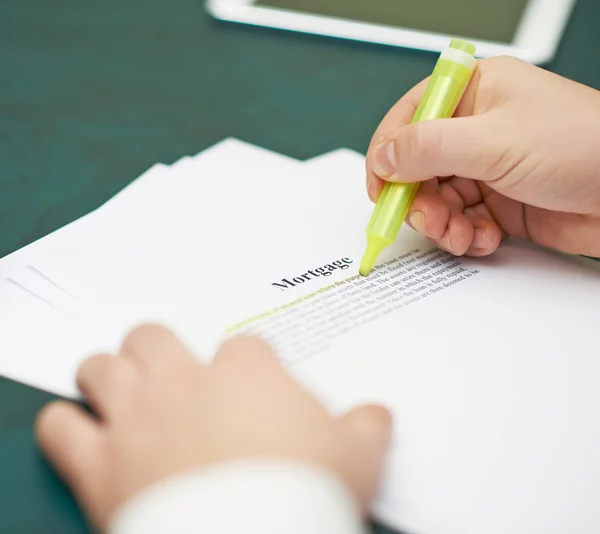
(375, 246)
(367, 263)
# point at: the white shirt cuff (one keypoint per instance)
(246, 497)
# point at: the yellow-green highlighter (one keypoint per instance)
(450, 78)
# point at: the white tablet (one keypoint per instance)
(529, 29)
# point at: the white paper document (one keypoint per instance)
(154, 196)
(490, 366)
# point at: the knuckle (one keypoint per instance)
(499, 64)
(423, 143)
(377, 417)
(493, 73)
(382, 415)
(90, 365)
(245, 342)
(100, 367)
(245, 351)
(144, 332)
(43, 420)
(47, 420)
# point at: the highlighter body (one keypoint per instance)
(446, 86)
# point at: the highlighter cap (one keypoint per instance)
(464, 46)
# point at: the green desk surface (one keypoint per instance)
(93, 93)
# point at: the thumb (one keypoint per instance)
(467, 146)
(367, 431)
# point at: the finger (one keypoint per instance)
(458, 236)
(153, 348)
(567, 232)
(508, 213)
(464, 195)
(105, 381)
(246, 353)
(374, 185)
(252, 368)
(487, 235)
(72, 442)
(400, 114)
(461, 192)
(367, 430)
(429, 214)
(444, 147)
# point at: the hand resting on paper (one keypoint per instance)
(520, 158)
(159, 413)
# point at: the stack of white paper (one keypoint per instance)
(490, 366)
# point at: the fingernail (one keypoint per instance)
(417, 221)
(479, 239)
(384, 163)
(444, 244)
